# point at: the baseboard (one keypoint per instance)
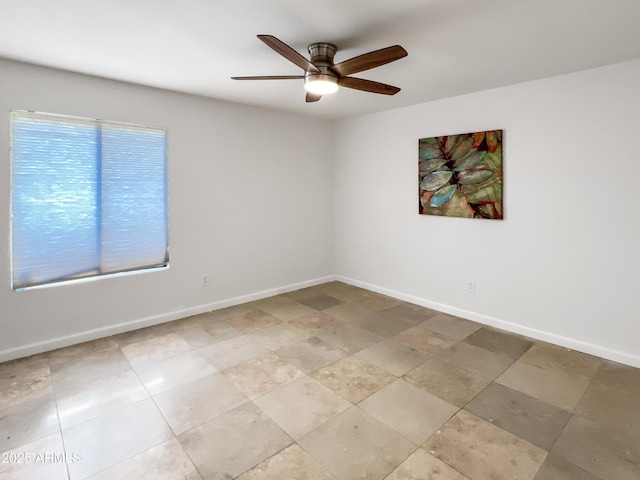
(567, 342)
(65, 341)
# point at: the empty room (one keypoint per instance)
(319, 240)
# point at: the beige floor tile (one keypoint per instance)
(557, 468)
(409, 312)
(393, 357)
(27, 422)
(314, 298)
(231, 352)
(141, 334)
(269, 303)
(349, 337)
(349, 312)
(292, 463)
(227, 313)
(423, 466)
(261, 375)
(311, 354)
(561, 360)
(301, 406)
(76, 352)
(253, 320)
(24, 380)
(315, 322)
(350, 445)
(424, 340)
(559, 389)
(450, 326)
(483, 451)
(232, 443)
(174, 371)
(529, 418)
(99, 397)
(38, 466)
(103, 405)
(221, 331)
(407, 409)
(384, 326)
(599, 449)
(618, 377)
(608, 405)
(447, 381)
(78, 373)
(475, 359)
(202, 320)
(348, 293)
(196, 402)
(496, 341)
(167, 461)
(199, 337)
(278, 336)
(111, 438)
(342, 291)
(376, 301)
(287, 309)
(353, 378)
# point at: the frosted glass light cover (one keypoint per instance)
(321, 84)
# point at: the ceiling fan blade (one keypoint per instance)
(312, 97)
(289, 53)
(369, 60)
(272, 77)
(367, 85)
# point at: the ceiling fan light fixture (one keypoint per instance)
(322, 76)
(321, 83)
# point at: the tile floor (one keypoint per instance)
(327, 383)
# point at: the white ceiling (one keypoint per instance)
(194, 46)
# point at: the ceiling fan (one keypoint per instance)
(322, 76)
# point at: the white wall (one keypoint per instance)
(250, 204)
(563, 265)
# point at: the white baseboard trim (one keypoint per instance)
(567, 342)
(65, 341)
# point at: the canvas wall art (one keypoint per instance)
(461, 175)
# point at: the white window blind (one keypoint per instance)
(88, 198)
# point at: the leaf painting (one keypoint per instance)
(461, 175)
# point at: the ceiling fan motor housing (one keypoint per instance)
(321, 55)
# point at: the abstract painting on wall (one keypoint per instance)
(461, 175)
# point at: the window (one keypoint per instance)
(88, 198)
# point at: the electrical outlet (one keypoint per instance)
(205, 280)
(471, 286)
